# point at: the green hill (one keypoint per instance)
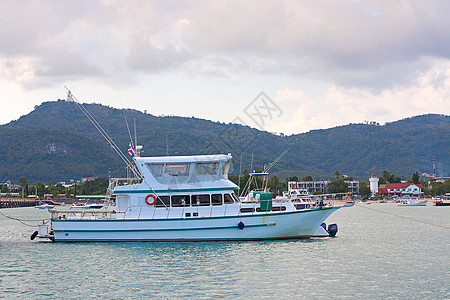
(57, 142)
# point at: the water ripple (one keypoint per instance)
(373, 256)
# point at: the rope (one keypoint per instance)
(403, 217)
(44, 221)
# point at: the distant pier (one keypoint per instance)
(17, 202)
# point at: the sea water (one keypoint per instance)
(381, 251)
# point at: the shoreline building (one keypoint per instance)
(401, 189)
(320, 186)
(374, 184)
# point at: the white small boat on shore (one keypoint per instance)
(411, 202)
(349, 201)
(86, 206)
(44, 205)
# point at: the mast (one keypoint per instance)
(240, 172)
(135, 135)
(167, 144)
(434, 167)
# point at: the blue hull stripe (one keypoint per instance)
(190, 240)
(164, 229)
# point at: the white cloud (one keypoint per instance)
(289, 95)
(343, 42)
(379, 60)
(340, 106)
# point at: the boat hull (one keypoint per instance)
(269, 226)
(420, 203)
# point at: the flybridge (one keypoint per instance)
(184, 172)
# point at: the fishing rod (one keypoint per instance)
(126, 121)
(109, 140)
(266, 169)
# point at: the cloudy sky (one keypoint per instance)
(320, 63)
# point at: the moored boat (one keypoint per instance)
(86, 206)
(44, 205)
(180, 198)
(411, 202)
(185, 198)
(349, 201)
(439, 202)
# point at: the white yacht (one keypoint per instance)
(184, 198)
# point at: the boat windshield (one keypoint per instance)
(209, 168)
(159, 170)
(177, 169)
(226, 167)
(155, 169)
(168, 173)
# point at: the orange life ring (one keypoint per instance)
(150, 196)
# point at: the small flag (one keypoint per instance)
(130, 150)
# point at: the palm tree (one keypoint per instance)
(385, 175)
(23, 183)
(337, 173)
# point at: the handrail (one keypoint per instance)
(106, 213)
(82, 214)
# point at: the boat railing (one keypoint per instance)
(244, 208)
(179, 212)
(124, 181)
(91, 214)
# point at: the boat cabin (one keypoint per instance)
(178, 186)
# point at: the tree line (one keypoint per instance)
(91, 187)
(276, 186)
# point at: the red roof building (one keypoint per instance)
(401, 189)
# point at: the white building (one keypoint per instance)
(373, 184)
(320, 186)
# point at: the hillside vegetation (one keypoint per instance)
(57, 142)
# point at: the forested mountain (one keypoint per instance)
(57, 142)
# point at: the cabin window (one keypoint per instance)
(156, 169)
(206, 168)
(162, 201)
(181, 200)
(122, 203)
(177, 169)
(226, 167)
(228, 199)
(247, 209)
(216, 199)
(277, 208)
(235, 197)
(200, 200)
